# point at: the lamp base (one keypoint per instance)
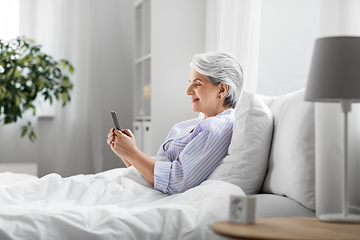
(340, 218)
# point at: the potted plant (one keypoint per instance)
(27, 73)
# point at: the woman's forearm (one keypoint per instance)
(144, 164)
(126, 162)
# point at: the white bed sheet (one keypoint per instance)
(116, 204)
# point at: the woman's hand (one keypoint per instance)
(122, 144)
(111, 137)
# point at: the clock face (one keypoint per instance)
(236, 208)
(242, 209)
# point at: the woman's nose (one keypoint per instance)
(189, 91)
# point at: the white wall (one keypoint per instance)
(178, 32)
(116, 68)
(287, 35)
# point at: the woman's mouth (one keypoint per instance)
(194, 100)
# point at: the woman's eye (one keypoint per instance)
(197, 84)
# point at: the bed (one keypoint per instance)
(115, 204)
(271, 156)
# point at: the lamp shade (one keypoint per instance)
(335, 70)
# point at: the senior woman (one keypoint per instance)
(197, 146)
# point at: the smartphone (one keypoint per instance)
(116, 121)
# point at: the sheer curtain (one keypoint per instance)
(234, 26)
(68, 142)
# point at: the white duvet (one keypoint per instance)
(116, 204)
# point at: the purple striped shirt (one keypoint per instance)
(195, 148)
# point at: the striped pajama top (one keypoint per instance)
(195, 148)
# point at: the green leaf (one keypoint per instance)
(56, 94)
(65, 82)
(64, 97)
(17, 100)
(37, 59)
(26, 58)
(24, 131)
(32, 136)
(63, 63)
(50, 99)
(22, 95)
(71, 69)
(2, 89)
(41, 84)
(10, 72)
(57, 72)
(8, 119)
(30, 130)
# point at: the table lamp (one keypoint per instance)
(335, 77)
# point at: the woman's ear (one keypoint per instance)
(223, 89)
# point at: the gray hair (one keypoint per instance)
(221, 67)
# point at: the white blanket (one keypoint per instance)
(116, 204)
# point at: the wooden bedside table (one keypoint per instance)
(288, 228)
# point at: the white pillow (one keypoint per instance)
(249, 149)
(292, 160)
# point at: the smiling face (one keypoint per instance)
(205, 96)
